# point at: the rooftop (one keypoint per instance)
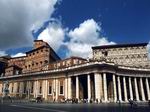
(119, 45)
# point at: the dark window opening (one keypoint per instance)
(61, 89)
(105, 53)
(50, 90)
(40, 90)
(46, 61)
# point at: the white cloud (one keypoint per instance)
(54, 35)
(148, 48)
(2, 53)
(19, 17)
(18, 55)
(84, 37)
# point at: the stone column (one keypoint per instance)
(130, 89)
(97, 86)
(77, 87)
(136, 89)
(54, 89)
(15, 88)
(21, 88)
(66, 88)
(119, 88)
(114, 88)
(142, 90)
(45, 89)
(37, 88)
(125, 89)
(105, 87)
(89, 86)
(57, 92)
(28, 89)
(69, 88)
(147, 89)
(34, 89)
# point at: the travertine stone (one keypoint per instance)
(114, 88)
(89, 86)
(69, 88)
(136, 89)
(77, 87)
(66, 88)
(97, 86)
(125, 89)
(130, 89)
(119, 88)
(105, 87)
(147, 89)
(142, 89)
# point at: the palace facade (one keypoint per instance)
(114, 73)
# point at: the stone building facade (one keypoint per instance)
(115, 73)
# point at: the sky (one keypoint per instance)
(72, 27)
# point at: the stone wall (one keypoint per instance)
(128, 56)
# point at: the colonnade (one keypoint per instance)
(125, 88)
(102, 87)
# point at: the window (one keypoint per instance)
(105, 53)
(32, 84)
(50, 89)
(17, 72)
(18, 88)
(40, 91)
(46, 61)
(12, 89)
(41, 62)
(61, 90)
(24, 89)
(40, 88)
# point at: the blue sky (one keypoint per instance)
(120, 21)
(123, 21)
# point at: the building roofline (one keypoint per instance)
(42, 41)
(38, 40)
(18, 57)
(5, 57)
(119, 45)
(41, 48)
(36, 49)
